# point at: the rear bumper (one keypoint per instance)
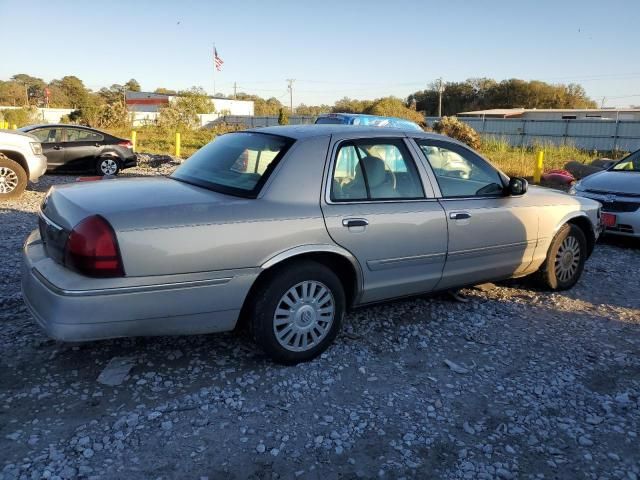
(129, 162)
(133, 308)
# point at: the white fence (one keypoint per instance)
(264, 121)
(602, 135)
(47, 115)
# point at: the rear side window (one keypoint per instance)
(235, 163)
(80, 135)
(375, 169)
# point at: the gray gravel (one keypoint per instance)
(515, 383)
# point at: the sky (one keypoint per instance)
(360, 49)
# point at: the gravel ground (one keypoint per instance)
(515, 383)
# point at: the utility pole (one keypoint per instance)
(602, 103)
(290, 88)
(235, 90)
(440, 91)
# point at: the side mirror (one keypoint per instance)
(517, 186)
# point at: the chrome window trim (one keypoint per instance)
(425, 181)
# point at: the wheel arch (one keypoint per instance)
(18, 158)
(340, 261)
(584, 224)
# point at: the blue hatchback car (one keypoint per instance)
(366, 120)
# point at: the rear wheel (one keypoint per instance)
(13, 178)
(108, 166)
(298, 312)
(565, 258)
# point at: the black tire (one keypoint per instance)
(105, 166)
(270, 296)
(13, 179)
(554, 273)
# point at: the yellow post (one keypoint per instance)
(539, 166)
(134, 138)
(14, 127)
(177, 144)
(5, 124)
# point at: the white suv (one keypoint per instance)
(21, 160)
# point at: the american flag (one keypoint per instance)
(217, 60)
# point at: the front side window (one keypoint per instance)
(80, 135)
(235, 163)
(48, 135)
(375, 169)
(459, 172)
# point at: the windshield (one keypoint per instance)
(236, 163)
(629, 164)
(330, 120)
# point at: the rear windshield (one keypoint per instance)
(235, 163)
(331, 120)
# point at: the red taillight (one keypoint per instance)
(92, 249)
(126, 143)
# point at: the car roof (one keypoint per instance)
(62, 125)
(299, 132)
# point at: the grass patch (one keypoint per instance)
(520, 161)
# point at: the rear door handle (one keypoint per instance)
(459, 215)
(355, 222)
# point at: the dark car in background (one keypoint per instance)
(74, 148)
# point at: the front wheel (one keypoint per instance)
(13, 178)
(565, 258)
(298, 312)
(108, 166)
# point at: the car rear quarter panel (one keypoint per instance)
(242, 235)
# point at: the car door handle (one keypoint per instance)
(355, 222)
(459, 215)
(57, 147)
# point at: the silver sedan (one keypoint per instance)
(618, 189)
(284, 229)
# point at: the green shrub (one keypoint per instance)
(20, 116)
(283, 117)
(454, 128)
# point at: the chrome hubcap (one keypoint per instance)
(304, 316)
(8, 180)
(567, 259)
(108, 166)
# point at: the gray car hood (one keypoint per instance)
(137, 203)
(613, 182)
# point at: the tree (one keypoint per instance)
(69, 91)
(283, 117)
(183, 111)
(132, 85)
(165, 91)
(113, 94)
(394, 107)
(312, 110)
(485, 93)
(348, 105)
(32, 86)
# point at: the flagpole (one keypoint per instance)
(214, 69)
